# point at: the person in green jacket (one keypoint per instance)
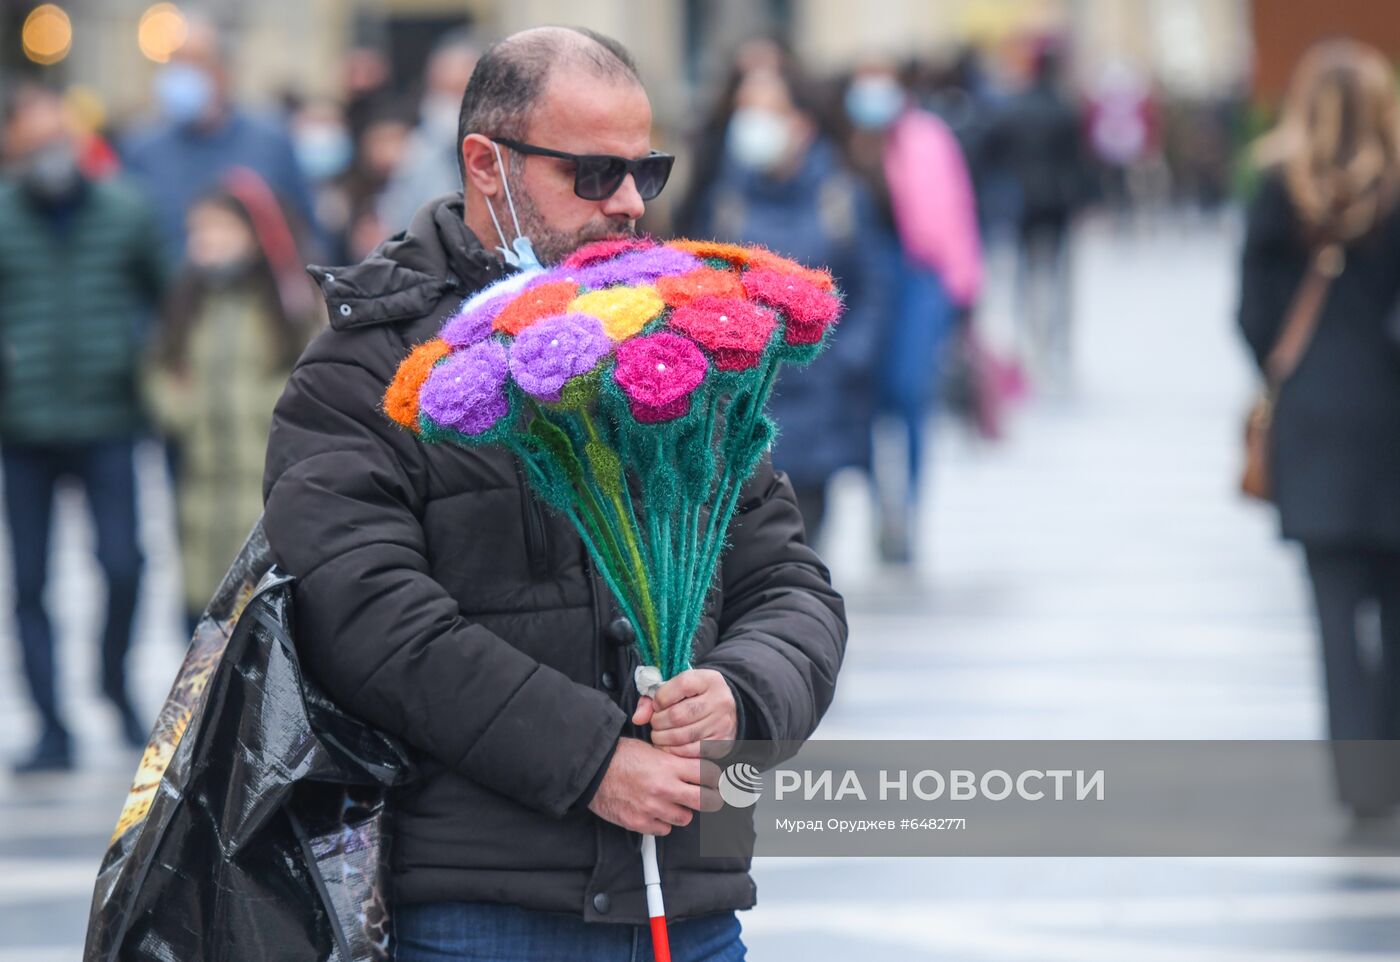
(237, 319)
(80, 275)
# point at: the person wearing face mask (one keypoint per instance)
(80, 273)
(437, 599)
(923, 189)
(325, 152)
(238, 316)
(429, 165)
(783, 184)
(201, 134)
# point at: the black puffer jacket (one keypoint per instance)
(437, 599)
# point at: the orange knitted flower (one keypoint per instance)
(705, 282)
(736, 255)
(401, 399)
(535, 304)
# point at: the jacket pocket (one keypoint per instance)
(536, 536)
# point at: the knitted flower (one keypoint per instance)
(467, 390)
(535, 304)
(734, 331)
(714, 250)
(604, 249)
(548, 354)
(658, 372)
(474, 324)
(760, 259)
(401, 399)
(809, 310)
(623, 310)
(679, 291)
(636, 267)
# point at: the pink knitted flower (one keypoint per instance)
(604, 249)
(658, 372)
(466, 390)
(809, 310)
(735, 332)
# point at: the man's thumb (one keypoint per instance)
(645, 709)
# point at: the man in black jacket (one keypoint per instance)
(439, 601)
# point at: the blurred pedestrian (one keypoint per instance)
(202, 133)
(1036, 138)
(379, 151)
(922, 182)
(708, 141)
(1321, 252)
(782, 183)
(237, 318)
(429, 164)
(325, 152)
(82, 269)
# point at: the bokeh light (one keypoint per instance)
(161, 31)
(47, 35)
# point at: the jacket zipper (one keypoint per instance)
(536, 542)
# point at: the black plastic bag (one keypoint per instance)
(256, 826)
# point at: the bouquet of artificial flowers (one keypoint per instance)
(630, 381)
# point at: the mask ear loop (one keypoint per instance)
(523, 254)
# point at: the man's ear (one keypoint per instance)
(479, 159)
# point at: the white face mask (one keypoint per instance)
(758, 139)
(520, 254)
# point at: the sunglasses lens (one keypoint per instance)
(652, 174)
(598, 177)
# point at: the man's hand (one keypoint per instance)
(648, 790)
(694, 706)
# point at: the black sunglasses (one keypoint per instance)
(598, 176)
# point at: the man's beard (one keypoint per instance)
(552, 246)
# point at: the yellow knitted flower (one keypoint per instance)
(623, 310)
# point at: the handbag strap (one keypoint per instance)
(1286, 354)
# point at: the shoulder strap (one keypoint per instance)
(1303, 314)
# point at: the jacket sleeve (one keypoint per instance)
(782, 626)
(344, 493)
(1271, 268)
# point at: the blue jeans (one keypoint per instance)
(107, 474)
(458, 931)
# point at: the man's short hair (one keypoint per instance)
(510, 78)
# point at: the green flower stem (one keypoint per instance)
(585, 528)
(629, 537)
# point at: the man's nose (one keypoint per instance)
(626, 201)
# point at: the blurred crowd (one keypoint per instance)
(154, 275)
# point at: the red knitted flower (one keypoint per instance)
(809, 310)
(658, 372)
(535, 304)
(705, 282)
(604, 249)
(734, 331)
(760, 259)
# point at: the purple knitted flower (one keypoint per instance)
(546, 355)
(467, 390)
(658, 372)
(474, 325)
(636, 267)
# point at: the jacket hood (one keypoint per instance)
(405, 277)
